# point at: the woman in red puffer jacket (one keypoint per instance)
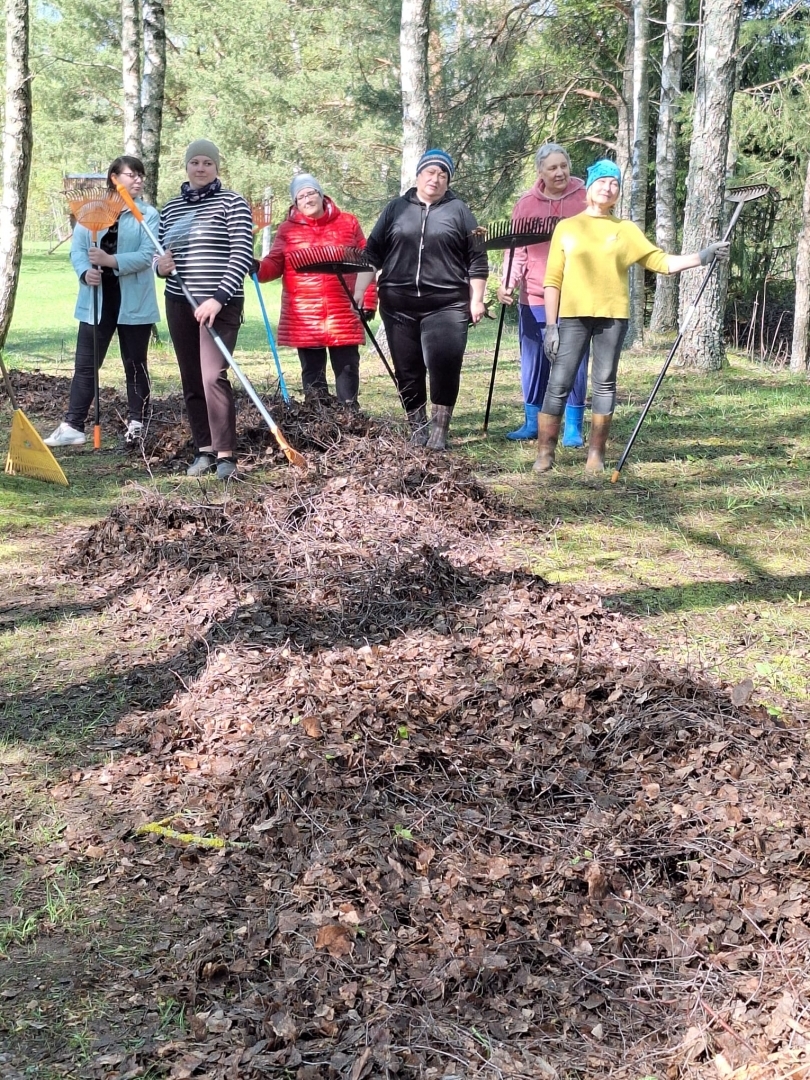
(316, 313)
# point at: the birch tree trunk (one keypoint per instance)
(801, 315)
(665, 308)
(640, 157)
(624, 123)
(131, 66)
(414, 75)
(714, 91)
(152, 90)
(17, 144)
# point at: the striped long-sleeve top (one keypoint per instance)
(212, 244)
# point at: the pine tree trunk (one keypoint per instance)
(640, 157)
(152, 89)
(414, 74)
(17, 144)
(131, 65)
(801, 314)
(665, 308)
(714, 92)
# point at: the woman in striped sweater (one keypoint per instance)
(208, 233)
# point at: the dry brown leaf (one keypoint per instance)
(336, 939)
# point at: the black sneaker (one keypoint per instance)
(203, 463)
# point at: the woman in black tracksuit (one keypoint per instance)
(431, 286)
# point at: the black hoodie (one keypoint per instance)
(426, 250)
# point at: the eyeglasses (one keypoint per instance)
(132, 175)
(307, 196)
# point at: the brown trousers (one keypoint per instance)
(204, 371)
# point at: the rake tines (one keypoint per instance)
(512, 234)
(750, 192)
(330, 259)
(262, 214)
(95, 208)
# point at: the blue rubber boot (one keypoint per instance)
(529, 429)
(572, 436)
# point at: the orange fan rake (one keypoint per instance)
(262, 214)
(96, 209)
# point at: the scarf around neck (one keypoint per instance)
(195, 195)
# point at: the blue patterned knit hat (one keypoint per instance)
(603, 168)
(436, 157)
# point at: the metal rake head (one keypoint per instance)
(330, 259)
(749, 193)
(512, 234)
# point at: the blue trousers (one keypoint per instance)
(534, 365)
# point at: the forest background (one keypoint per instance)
(283, 87)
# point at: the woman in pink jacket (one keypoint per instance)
(316, 313)
(555, 194)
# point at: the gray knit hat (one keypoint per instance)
(203, 147)
(301, 181)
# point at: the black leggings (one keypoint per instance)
(426, 335)
(605, 337)
(134, 344)
(345, 361)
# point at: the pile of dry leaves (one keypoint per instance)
(471, 827)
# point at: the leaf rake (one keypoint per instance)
(95, 208)
(522, 232)
(334, 259)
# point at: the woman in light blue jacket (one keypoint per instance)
(121, 264)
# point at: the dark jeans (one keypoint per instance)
(426, 334)
(345, 360)
(134, 344)
(204, 371)
(605, 337)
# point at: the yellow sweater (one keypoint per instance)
(588, 263)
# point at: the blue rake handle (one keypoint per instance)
(271, 341)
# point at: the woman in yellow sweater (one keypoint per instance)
(586, 287)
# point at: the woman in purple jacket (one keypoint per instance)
(556, 194)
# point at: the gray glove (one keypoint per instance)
(720, 250)
(551, 341)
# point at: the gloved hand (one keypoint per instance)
(719, 250)
(368, 313)
(551, 341)
(254, 269)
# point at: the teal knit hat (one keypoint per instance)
(436, 157)
(603, 168)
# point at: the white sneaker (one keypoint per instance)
(65, 435)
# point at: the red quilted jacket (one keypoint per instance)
(315, 311)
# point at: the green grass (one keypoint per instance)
(703, 537)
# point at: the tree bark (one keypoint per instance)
(801, 314)
(640, 156)
(17, 144)
(665, 308)
(152, 91)
(131, 66)
(624, 122)
(703, 347)
(414, 75)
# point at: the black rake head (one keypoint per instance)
(330, 259)
(511, 234)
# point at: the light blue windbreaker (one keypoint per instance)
(135, 252)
